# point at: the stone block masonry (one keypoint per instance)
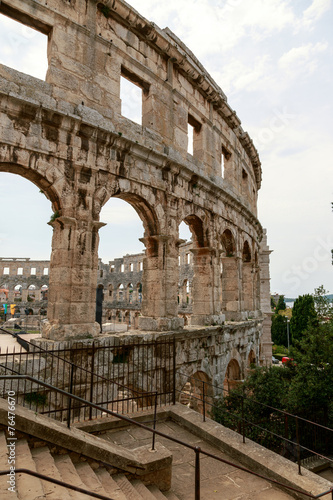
(68, 135)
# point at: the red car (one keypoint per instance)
(287, 360)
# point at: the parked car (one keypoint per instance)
(286, 360)
(275, 361)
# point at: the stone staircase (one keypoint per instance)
(90, 476)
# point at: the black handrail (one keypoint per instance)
(244, 421)
(73, 365)
(196, 449)
(56, 481)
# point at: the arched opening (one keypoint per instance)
(251, 360)
(31, 293)
(196, 266)
(232, 376)
(129, 240)
(120, 292)
(32, 202)
(230, 276)
(130, 293)
(247, 278)
(197, 393)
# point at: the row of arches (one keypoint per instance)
(225, 270)
(199, 392)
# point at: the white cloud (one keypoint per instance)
(315, 11)
(302, 59)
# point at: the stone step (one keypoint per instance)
(143, 490)
(45, 465)
(127, 488)
(170, 495)
(28, 487)
(70, 475)
(89, 478)
(155, 491)
(4, 465)
(110, 485)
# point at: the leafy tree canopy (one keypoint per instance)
(304, 315)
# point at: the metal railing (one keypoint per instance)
(137, 374)
(197, 450)
(298, 432)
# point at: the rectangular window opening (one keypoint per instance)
(19, 271)
(225, 157)
(132, 88)
(6, 270)
(46, 271)
(22, 47)
(33, 271)
(193, 129)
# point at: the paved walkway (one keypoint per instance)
(218, 480)
(9, 342)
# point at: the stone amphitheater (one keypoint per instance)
(187, 160)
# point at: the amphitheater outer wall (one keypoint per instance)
(68, 136)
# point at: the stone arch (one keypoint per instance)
(145, 210)
(205, 305)
(230, 279)
(246, 256)
(44, 184)
(251, 359)
(228, 241)
(196, 226)
(196, 390)
(129, 293)
(120, 292)
(232, 376)
(247, 278)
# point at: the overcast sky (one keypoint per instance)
(274, 62)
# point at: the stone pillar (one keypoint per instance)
(206, 307)
(265, 302)
(160, 284)
(72, 280)
(11, 296)
(25, 295)
(231, 288)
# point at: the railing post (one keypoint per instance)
(243, 421)
(92, 379)
(298, 448)
(203, 401)
(174, 372)
(69, 398)
(286, 431)
(197, 473)
(154, 423)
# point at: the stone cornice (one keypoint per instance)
(165, 42)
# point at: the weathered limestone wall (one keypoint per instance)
(69, 137)
(202, 351)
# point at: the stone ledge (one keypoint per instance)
(251, 455)
(151, 467)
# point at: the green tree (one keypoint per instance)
(304, 315)
(279, 330)
(323, 305)
(311, 390)
(281, 305)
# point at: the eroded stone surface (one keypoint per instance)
(69, 137)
